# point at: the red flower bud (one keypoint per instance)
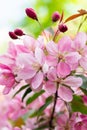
(31, 13)
(55, 16)
(63, 28)
(18, 32)
(13, 35)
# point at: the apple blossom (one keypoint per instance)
(48, 79)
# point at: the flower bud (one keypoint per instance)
(55, 16)
(31, 13)
(63, 28)
(18, 32)
(13, 35)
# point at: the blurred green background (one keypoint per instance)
(44, 10)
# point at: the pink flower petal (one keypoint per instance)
(51, 60)
(84, 125)
(26, 73)
(25, 59)
(63, 69)
(83, 63)
(50, 87)
(8, 80)
(73, 81)
(52, 75)
(62, 120)
(72, 57)
(64, 44)
(80, 40)
(5, 67)
(45, 68)
(12, 49)
(78, 126)
(39, 55)
(29, 43)
(65, 93)
(60, 106)
(6, 90)
(7, 60)
(52, 48)
(37, 80)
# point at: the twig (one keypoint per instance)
(81, 24)
(55, 35)
(53, 111)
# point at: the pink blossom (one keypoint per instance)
(7, 78)
(63, 69)
(62, 52)
(30, 43)
(65, 93)
(84, 99)
(62, 122)
(65, 86)
(15, 49)
(16, 128)
(79, 45)
(15, 109)
(32, 67)
(81, 125)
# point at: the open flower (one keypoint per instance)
(32, 67)
(62, 52)
(65, 85)
(79, 45)
(7, 78)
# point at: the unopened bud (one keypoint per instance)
(18, 32)
(55, 16)
(31, 13)
(13, 35)
(63, 28)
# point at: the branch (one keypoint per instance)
(53, 111)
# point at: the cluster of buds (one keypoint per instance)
(32, 14)
(61, 27)
(16, 33)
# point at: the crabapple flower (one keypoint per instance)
(62, 52)
(7, 78)
(33, 67)
(65, 85)
(63, 123)
(16, 109)
(63, 69)
(45, 74)
(79, 45)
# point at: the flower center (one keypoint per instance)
(36, 66)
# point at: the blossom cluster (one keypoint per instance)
(53, 71)
(47, 66)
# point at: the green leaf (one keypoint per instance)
(28, 90)
(42, 127)
(77, 105)
(34, 97)
(42, 108)
(84, 91)
(84, 85)
(84, 79)
(22, 88)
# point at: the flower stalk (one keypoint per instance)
(53, 110)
